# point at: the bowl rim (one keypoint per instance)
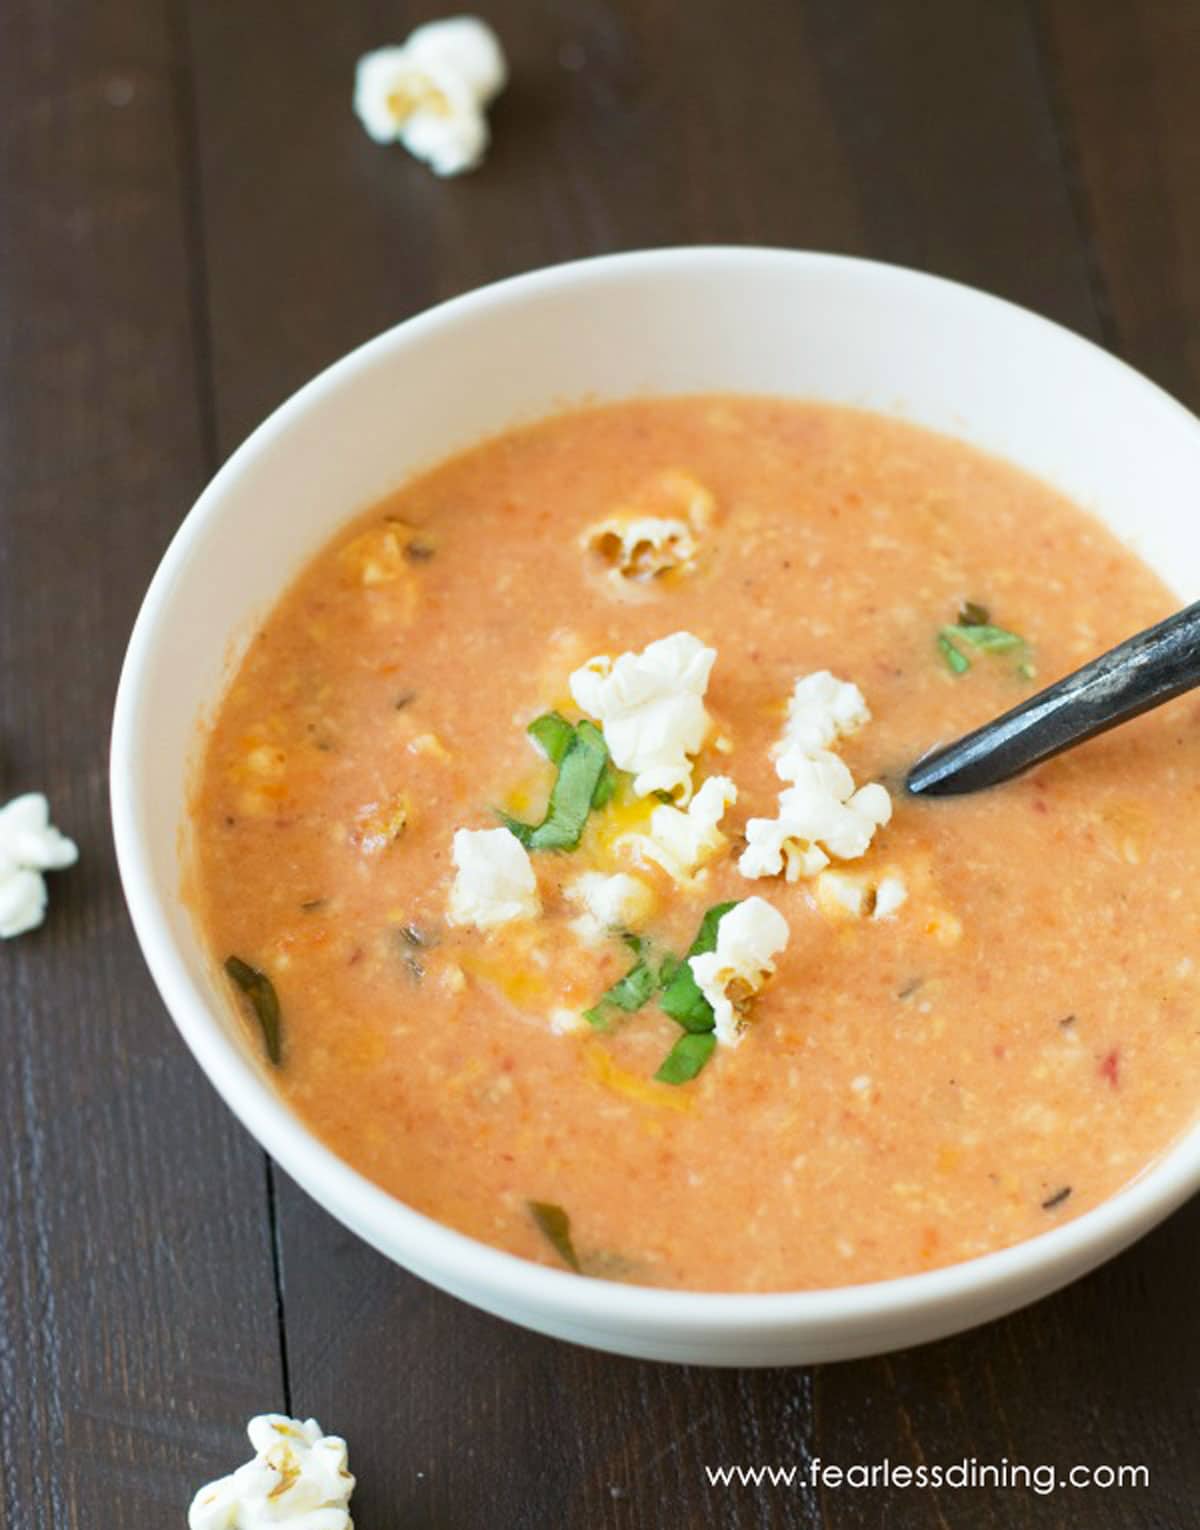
(419, 1242)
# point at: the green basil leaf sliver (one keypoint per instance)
(571, 796)
(686, 1058)
(521, 831)
(633, 990)
(628, 993)
(956, 661)
(264, 1001)
(668, 967)
(606, 786)
(579, 773)
(989, 639)
(555, 1225)
(553, 734)
(682, 999)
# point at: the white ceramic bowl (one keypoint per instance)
(668, 321)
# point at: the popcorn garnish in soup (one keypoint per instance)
(821, 812)
(650, 706)
(432, 93)
(29, 845)
(891, 894)
(842, 894)
(299, 1477)
(495, 882)
(680, 840)
(655, 533)
(749, 937)
(822, 709)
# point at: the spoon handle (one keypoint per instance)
(1139, 674)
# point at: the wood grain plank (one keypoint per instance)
(810, 125)
(137, 1310)
(1125, 76)
(918, 134)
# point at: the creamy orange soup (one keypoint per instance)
(1003, 1050)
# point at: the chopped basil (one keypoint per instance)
(581, 769)
(682, 999)
(956, 660)
(686, 1057)
(555, 1225)
(634, 989)
(988, 638)
(688, 1007)
(1056, 1199)
(975, 628)
(627, 994)
(606, 786)
(668, 967)
(552, 733)
(259, 989)
(630, 992)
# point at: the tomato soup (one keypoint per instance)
(491, 789)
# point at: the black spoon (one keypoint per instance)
(1138, 674)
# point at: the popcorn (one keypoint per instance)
(495, 881)
(641, 546)
(642, 540)
(821, 814)
(681, 841)
(821, 710)
(617, 902)
(841, 895)
(651, 708)
(431, 94)
(298, 1477)
(29, 845)
(23, 900)
(891, 894)
(749, 937)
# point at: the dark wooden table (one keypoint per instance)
(191, 224)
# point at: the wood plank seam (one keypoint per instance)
(1049, 66)
(191, 191)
